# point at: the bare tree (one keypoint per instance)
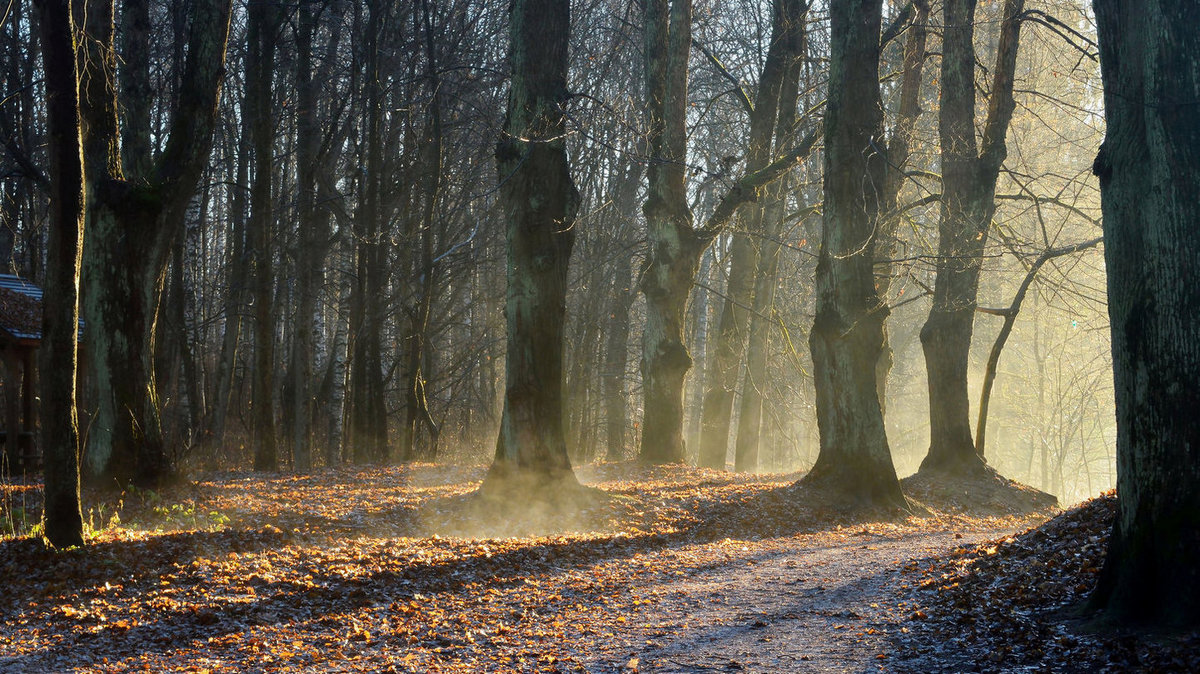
(968, 202)
(135, 212)
(847, 335)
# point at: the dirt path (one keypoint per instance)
(819, 603)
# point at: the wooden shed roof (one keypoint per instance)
(20, 309)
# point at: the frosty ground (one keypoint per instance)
(394, 569)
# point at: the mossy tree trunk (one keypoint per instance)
(1149, 169)
(540, 203)
(847, 335)
(133, 221)
(674, 248)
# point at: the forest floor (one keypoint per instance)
(679, 570)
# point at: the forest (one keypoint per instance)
(600, 335)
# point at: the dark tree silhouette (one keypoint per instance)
(1149, 169)
(60, 323)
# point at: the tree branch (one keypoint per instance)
(747, 188)
(742, 96)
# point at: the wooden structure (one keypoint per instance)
(20, 335)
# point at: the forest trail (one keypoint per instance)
(389, 569)
(816, 603)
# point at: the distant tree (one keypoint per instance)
(366, 419)
(847, 335)
(262, 36)
(775, 98)
(969, 172)
(309, 253)
(789, 32)
(540, 204)
(60, 303)
(1149, 169)
(903, 138)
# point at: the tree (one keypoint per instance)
(675, 246)
(310, 253)
(903, 138)
(136, 203)
(1149, 170)
(262, 37)
(366, 427)
(416, 401)
(969, 173)
(775, 99)
(60, 303)
(847, 334)
(540, 203)
(791, 36)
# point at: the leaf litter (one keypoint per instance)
(391, 569)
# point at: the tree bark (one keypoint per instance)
(133, 221)
(63, 515)
(540, 203)
(1149, 169)
(674, 247)
(261, 35)
(968, 203)
(847, 334)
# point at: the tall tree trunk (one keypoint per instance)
(261, 36)
(235, 290)
(133, 221)
(540, 203)
(789, 43)
(416, 404)
(309, 239)
(616, 349)
(1149, 169)
(60, 324)
(367, 429)
(967, 205)
(746, 443)
(716, 410)
(674, 247)
(847, 335)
